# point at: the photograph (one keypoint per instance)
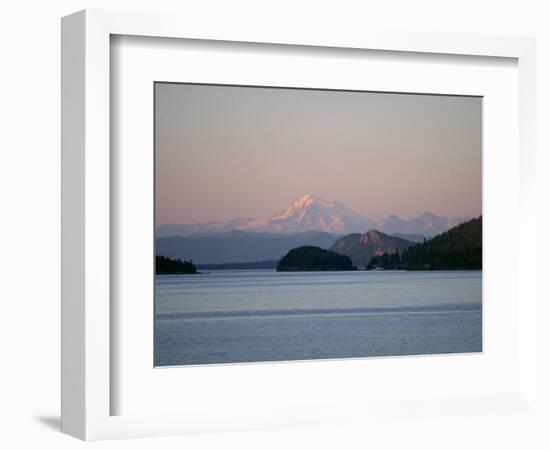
(296, 224)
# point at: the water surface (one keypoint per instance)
(262, 315)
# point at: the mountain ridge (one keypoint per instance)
(238, 246)
(313, 213)
(361, 248)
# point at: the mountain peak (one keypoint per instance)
(310, 200)
(374, 236)
(361, 248)
(312, 212)
(310, 197)
(374, 233)
(428, 214)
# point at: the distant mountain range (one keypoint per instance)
(238, 246)
(360, 248)
(308, 213)
(312, 213)
(427, 225)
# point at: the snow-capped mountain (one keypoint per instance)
(313, 213)
(308, 213)
(427, 224)
(200, 228)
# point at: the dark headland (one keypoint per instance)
(309, 258)
(166, 266)
(460, 248)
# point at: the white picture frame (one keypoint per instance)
(87, 328)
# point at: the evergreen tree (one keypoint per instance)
(460, 248)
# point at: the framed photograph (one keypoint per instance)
(269, 228)
(315, 279)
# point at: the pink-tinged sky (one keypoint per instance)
(224, 152)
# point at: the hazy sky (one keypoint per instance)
(225, 152)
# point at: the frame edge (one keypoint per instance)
(85, 37)
(73, 83)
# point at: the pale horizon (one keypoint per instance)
(224, 152)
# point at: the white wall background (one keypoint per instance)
(30, 197)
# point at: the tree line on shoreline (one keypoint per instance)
(459, 248)
(164, 266)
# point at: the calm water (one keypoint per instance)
(261, 315)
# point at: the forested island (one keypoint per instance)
(310, 258)
(165, 266)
